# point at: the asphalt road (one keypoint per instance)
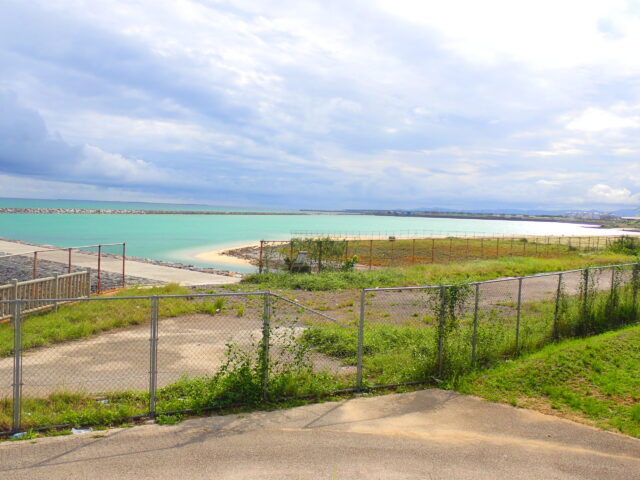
(430, 434)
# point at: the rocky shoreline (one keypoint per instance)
(152, 261)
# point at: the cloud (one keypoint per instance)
(605, 194)
(323, 104)
(597, 120)
(28, 148)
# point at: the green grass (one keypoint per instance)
(596, 378)
(82, 319)
(476, 270)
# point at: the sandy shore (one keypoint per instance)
(220, 256)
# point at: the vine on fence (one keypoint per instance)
(587, 294)
(448, 304)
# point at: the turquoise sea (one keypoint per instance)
(180, 237)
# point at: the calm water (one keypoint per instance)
(179, 237)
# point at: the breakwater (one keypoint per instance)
(100, 211)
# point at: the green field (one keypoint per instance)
(338, 254)
(464, 271)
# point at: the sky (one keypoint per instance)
(328, 104)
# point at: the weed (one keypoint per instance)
(169, 419)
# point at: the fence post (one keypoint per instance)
(17, 365)
(124, 260)
(264, 354)
(475, 326)
(260, 259)
(441, 322)
(69, 265)
(35, 265)
(360, 342)
(370, 253)
(319, 255)
(519, 308)
(556, 312)
(497, 247)
(99, 287)
(153, 356)
(56, 291)
(15, 289)
(88, 282)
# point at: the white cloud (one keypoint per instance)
(605, 194)
(597, 120)
(542, 33)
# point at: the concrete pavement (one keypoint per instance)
(431, 434)
(134, 268)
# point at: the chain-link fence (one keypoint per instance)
(178, 353)
(421, 333)
(106, 359)
(307, 254)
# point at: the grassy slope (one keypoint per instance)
(432, 274)
(596, 380)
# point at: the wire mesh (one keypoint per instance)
(202, 338)
(90, 373)
(304, 357)
(400, 332)
(537, 324)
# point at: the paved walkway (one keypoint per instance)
(133, 268)
(431, 434)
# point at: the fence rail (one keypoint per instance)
(68, 286)
(347, 252)
(235, 347)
